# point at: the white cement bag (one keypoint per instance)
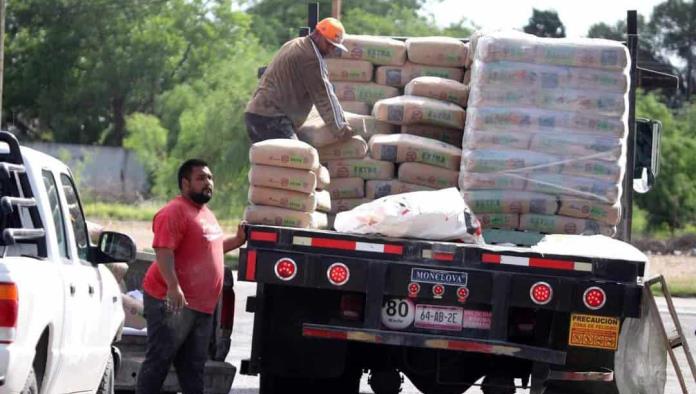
(273, 216)
(399, 76)
(283, 178)
(582, 208)
(342, 188)
(346, 204)
(379, 189)
(296, 201)
(444, 134)
(435, 215)
(605, 170)
(316, 133)
(437, 51)
(587, 188)
(323, 198)
(503, 201)
(427, 175)
(506, 221)
(585, 146)
(474, 139)
(356, 107)
(362, 168)
(374, 49)
(496, 181)
(494, 160)
(366, 92)
(439, 88)
(349, 70)
(412, 109)
(554, 224)
(354, 148)
(283, 152)
(401, 148)
(323, 177)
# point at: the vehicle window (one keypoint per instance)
(56, 211)
(77, 218)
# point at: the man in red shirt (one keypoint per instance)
(182, 287)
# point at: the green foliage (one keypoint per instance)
(545, 24)
(116, 211)
(148, 139)
(401, 22)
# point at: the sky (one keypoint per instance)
(577, 16)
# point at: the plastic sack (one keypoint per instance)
(435, 215)
(437, 51)
(349, 70)
(412, 109)
(376, 50)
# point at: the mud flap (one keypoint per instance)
(641, 360)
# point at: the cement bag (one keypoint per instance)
(427, 175)
(283, 152)
(602, 103)
(378, 189)
(586, 209)
(585, 146)
(354, 148)
(534, 120)
(599, 169)
(346, 204)
(400, 148)
(349, 70)
(435, 215)
(323, 177)
(499, 181)
(318, 134)
(374, 49)
(506, 221)
(576, 52)
(323, 200)
(356, 107)
(512, 76)
(554, 224)
(296, 201)
(437, 51)
(501, 201)
(399, 76)
(412, 109)
(440, 89)
(588, 188)
(367, 92)
(474, 139)
(361, 168)
(494, 160)
(283, 178)
(444, 134)
(274, 216)
(342, 188)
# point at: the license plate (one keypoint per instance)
(439, 317)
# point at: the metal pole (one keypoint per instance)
(336, 9)
(2, 51)
(624, 232)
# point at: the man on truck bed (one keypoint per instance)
(297, 78)
(183, 286)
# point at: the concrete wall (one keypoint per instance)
(104, 172)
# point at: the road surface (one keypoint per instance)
(243, 324)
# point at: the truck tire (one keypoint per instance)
(31, 386)
(106, 386)
(348, 383)
(498, 385)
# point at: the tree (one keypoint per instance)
(545, 24)
(674, 22)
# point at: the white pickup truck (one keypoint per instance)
(60, 307)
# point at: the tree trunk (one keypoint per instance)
(118, 122)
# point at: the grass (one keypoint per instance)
(678, 288)
(121, 211)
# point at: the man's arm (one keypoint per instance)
(232, 243)
(165, 263)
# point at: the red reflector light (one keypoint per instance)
(594, 298)
(413, 289)
(338, 274)
(329, 334)
(9, 305)
(263, 236)
(285, 269)
(541, 293)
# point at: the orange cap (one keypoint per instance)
(332, 29)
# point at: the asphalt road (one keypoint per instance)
(241, 346)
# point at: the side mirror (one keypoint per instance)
(647, 154)
(113, 247)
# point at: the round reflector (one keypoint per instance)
(413, 289)
(438, 290)
(338, 274)
(594, 298)
(462, 294)
(541, 293)
(285, 269)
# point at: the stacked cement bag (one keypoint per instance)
(283, 181)
(545, 133)
(318, 134)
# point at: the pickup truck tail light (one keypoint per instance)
(9, 309)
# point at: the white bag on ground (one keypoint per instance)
(435, 215)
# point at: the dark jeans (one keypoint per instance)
(262, 128)
(180, 338)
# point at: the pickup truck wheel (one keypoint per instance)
(30, 386)
(106, 386)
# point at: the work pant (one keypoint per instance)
(180, 338)
(262, 128)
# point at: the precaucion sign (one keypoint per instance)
(599, 332)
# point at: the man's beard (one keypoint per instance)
(200, 198)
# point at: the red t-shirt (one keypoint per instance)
(194, 235)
